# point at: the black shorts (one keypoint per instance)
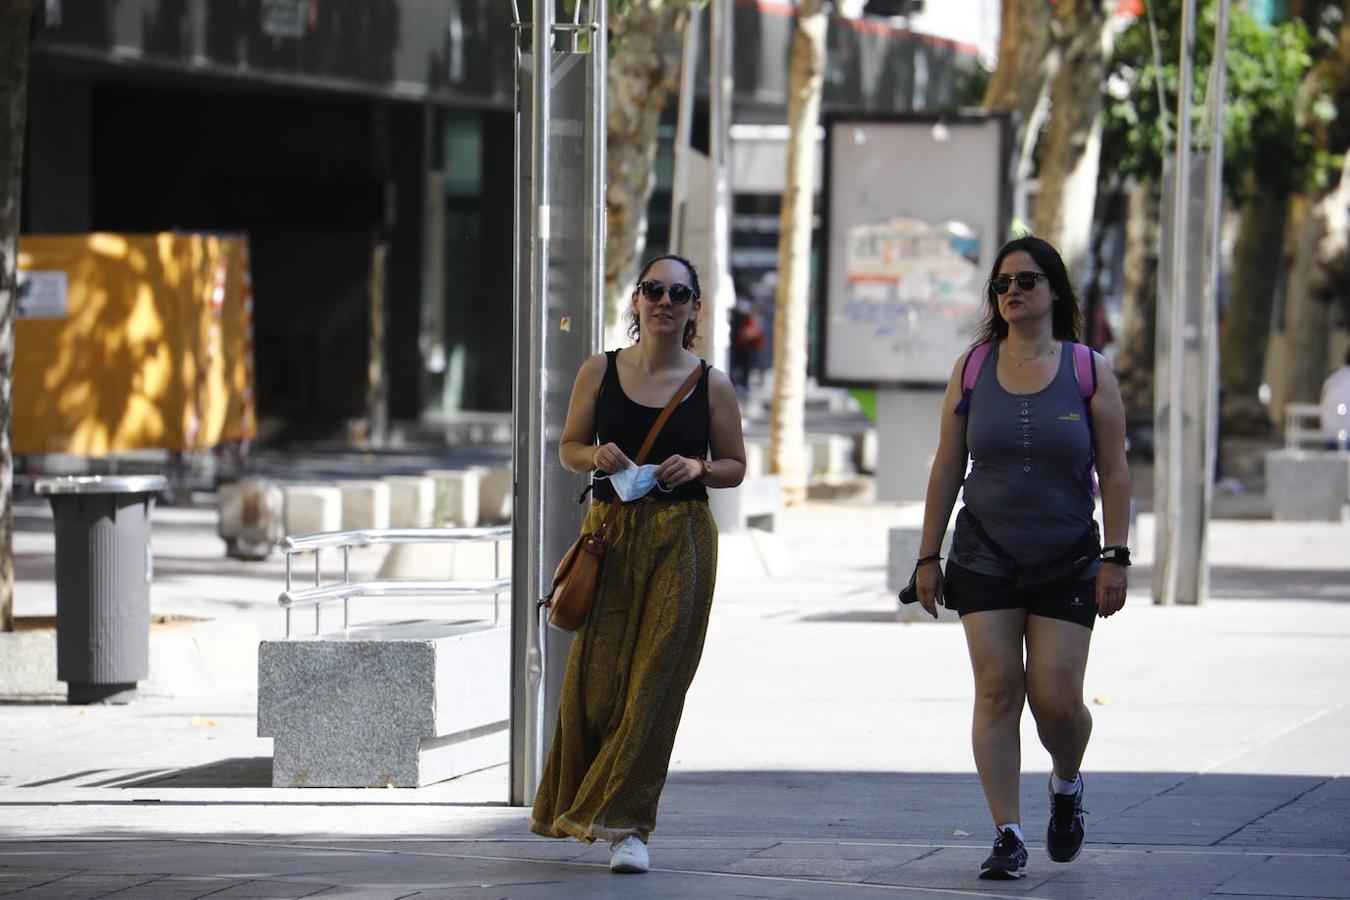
(1072, 601)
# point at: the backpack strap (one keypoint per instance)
(1085, 372)
(970, 373)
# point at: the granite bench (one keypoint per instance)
(1308, 485)
(751, 504)
(393, 703)
(385, 704)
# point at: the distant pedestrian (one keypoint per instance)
(747, 342)
(1336, 406)
(1026, 571)
(635, 657)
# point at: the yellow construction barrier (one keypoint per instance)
(131, 342)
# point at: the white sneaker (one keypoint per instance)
(629, 856)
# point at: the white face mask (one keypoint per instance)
(634, 482)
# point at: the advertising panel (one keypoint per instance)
(916, 208)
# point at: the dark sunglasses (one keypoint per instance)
(1025, 280)
(680, 294)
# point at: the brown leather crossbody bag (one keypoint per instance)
(578, 575)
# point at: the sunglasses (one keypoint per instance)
(680, 294)
(1025, 280)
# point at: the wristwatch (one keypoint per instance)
(1116, 553)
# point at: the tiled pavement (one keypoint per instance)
(824, 753)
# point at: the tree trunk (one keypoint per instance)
(787, 412)
(15, 18)
(1135, 363)
(1245, 331)
(646, 41)
(1024, 68)
(1300, 350)
(1332, 272)
(1072, 141)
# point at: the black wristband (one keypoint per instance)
(1116, 553)
(924, 560)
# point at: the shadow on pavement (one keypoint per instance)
(720, 833)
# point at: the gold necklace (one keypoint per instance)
(1026, 359)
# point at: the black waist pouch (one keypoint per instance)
(1068, 566)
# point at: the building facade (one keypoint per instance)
(366, 149)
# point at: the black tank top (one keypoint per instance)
(621, 421)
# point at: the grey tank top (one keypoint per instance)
(1028, 481)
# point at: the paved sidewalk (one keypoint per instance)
(824, 753)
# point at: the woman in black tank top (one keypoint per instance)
(1027, 609)
(635, 657)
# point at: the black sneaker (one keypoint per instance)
(1064, 837)
(1008, 860)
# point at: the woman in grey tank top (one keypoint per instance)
(1024, 570)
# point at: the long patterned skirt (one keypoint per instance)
(629, 668)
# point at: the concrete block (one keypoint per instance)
(751, 504)
(756, 456)
(313, 508)
(412, 501)
(365, 504)
(385, 705)
(456, 497)
(252, 514)
(829, 454)
(1308, 485)
(28, 665)
(496, 494)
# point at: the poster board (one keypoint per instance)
(132, 342)
(915, 208)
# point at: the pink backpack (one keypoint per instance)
(1083, 369)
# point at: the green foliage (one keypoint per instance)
(1265, 67)
(972, 79)
(867, 399)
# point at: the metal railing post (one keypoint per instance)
(318, 581)
(288, 590)
(346, 579)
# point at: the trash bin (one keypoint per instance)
(103, 572)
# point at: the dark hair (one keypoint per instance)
(1066, 316)
(690, 327)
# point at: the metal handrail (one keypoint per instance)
(406, 588)
(366, 537)
(1296, 427)
(347, 589)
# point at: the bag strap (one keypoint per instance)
(970, 373)
(661, 420)
(988, 542)
(1085, 371)
(655, 431)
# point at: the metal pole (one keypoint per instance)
(596, 181)
(720, 94)
(679, 188)
(540, 114)
(1177, 348)
(1209, 319)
